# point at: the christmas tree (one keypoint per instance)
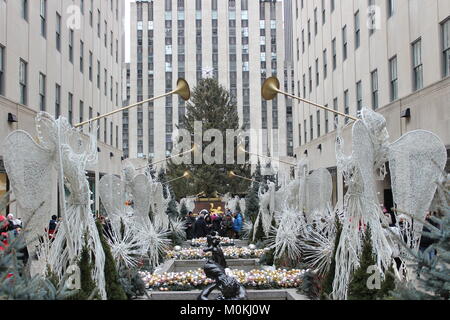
(212, 105)
(114, 290)
(358, 288)
(327, 284)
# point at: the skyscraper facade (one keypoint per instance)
(63, 57)
(238, 42)
(388, 55)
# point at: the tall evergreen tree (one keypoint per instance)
(85, 264)
(252, 199)
(212, 105)
(327, 284)
(358, 289)
(114, 290)
(172, 210)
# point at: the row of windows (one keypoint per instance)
(390, 8)
(417, 75)
(42, 88)
(43, 30)
(417, 67)
(357, 25)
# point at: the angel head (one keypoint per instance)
(376, 124)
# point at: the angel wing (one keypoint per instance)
(319, 191)
(112, 194)
(416, 161)
(141, 189)
(29, 167)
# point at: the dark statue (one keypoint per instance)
(229, 287)
(213, 242)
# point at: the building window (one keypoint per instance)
(81, 56)
(310, 79)
(417, 65)
(318, 123)
(357, 31)
(98, 74)
(24, 9)
(317, 72)
(311, 128)
(390, 8)
(299, 134)
(44, 18)
(81, 118)
(90, 117)
(305, 131)
(304, 86)
(333, 5)
(70, 108)
(393, 78)
(325, 64)
(374, 84)
(105, 131)
(106, 82)
(58, 32)
(359, 100)
(98, 23)
(105, 34)
(2, 68)
(326, 120)
(117, 137)
(303, 41)
(346, 105)
(57, 101)
(315, 22)
(23, 78)
(111, 133)
(309, 31)
(333, 48)
(446, 47)
(335, 108)
(90, 65)
(323, 12)
(42, 92)
(344, 43)
(71, 45)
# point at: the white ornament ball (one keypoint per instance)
(177, 248)
(252, 247)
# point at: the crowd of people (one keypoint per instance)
(228, 224)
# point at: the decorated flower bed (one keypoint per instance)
(196, 279)
(229, 253)
(201, 242)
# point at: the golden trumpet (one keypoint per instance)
(271, 87)
(182, 90)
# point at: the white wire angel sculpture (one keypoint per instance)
(134, 236)
(361, 206)
(29, 165)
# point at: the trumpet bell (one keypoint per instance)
(270, 88)
(183, 89)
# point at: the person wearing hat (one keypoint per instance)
(200, 227)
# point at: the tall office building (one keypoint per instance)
(63, 57)
(238, 42)
(389, 55)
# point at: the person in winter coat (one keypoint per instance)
(190, 221)
(200, 227)
(237, 224)
(226, 227)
